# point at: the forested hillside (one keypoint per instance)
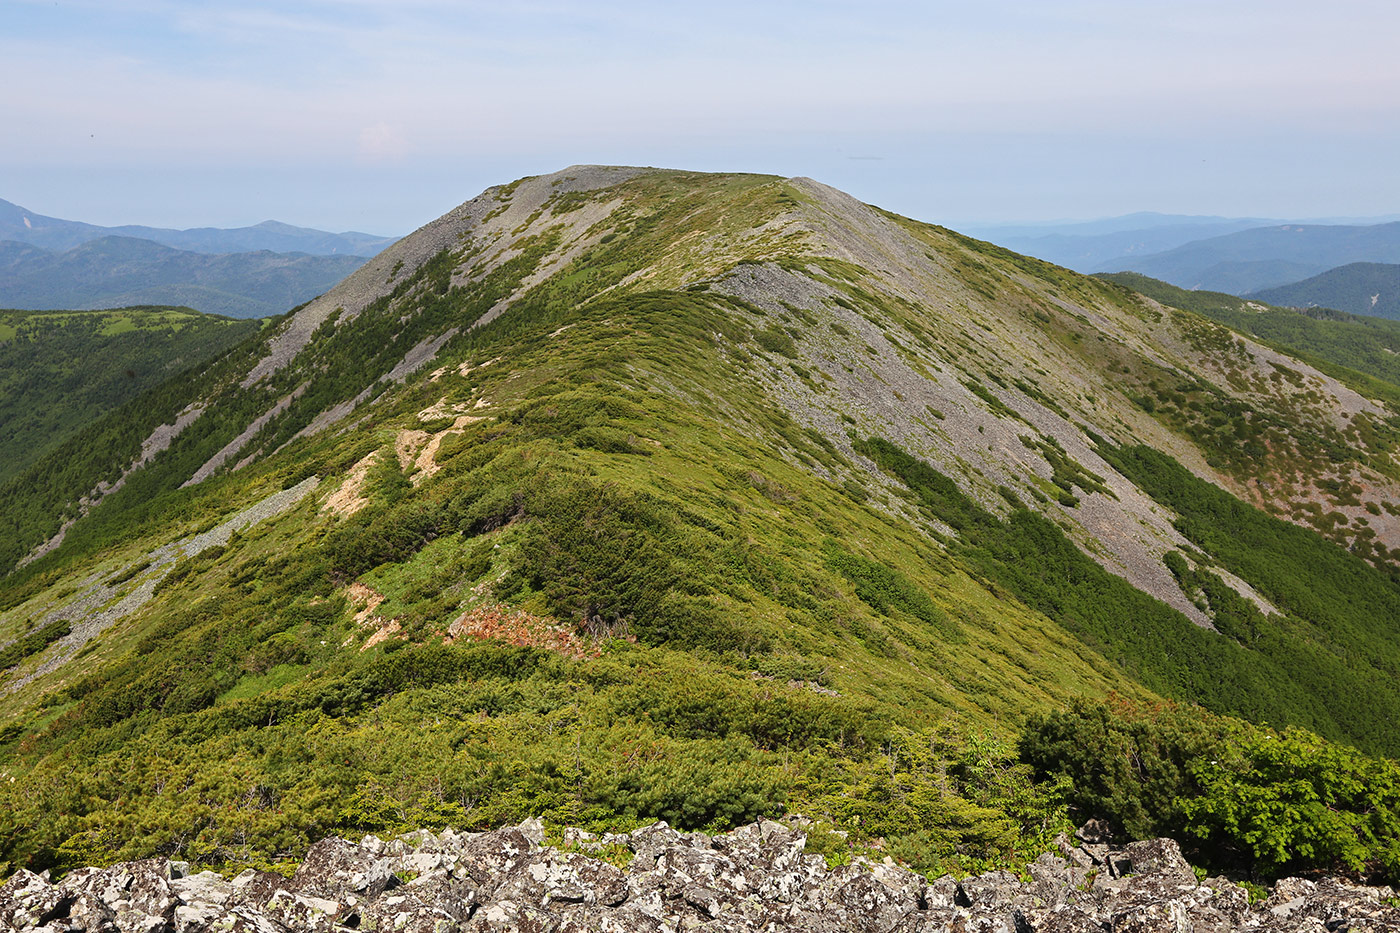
(61, 370)
(1324, 337)
(1367, 288)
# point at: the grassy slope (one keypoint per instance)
(1361, 345)
(635, 477)
(61, 370)
(738, 521)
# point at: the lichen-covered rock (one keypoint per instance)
(308, 912)
(1070, 918)
(1335, 903)
(649, 842)
(340, 871)
(431, 903)
(551, 877)
(139, 895)
(507, 916)
(756, 879)
(29, 902)
(994, 892)
(205, 887)
(1161, 857)
(489, 858)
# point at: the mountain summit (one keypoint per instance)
(623, 493)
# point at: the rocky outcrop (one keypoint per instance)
(756, 878)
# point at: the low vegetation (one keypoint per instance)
(613, 557)
(1251, 801)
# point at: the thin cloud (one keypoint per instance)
(409, 82)
(382, 143)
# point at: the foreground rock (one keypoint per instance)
(756, 878)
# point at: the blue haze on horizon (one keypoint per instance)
(380, 115)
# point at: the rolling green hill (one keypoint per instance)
(1369, 288)
(61, 370)
(621, 494)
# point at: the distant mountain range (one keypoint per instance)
(1371, 288)
(117, 271)
(1237, 255)
(1089, 245)
(48, 264)
(1265, 257)
(24, 226)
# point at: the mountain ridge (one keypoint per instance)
(117, 271)
(1367, 288)
(25, 226)
(1087, 252)
(679, 440)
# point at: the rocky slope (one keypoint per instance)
(755, 878)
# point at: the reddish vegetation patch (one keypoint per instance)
(520, 628)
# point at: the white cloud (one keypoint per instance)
(382, 143)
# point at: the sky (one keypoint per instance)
(380, 115)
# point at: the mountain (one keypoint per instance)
(1339, 343)
(24, 226)
(60, 371)
(116, 272)
(1369, 288)
(1123, 223)
(623, 494)
(1087, 246)
(1252, 260)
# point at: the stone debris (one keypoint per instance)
(100, 602)
(755, 879)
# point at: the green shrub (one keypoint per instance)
(33, 642)
(1240, 798)
(884, 588)
(1293, 803)
(1127, 763)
